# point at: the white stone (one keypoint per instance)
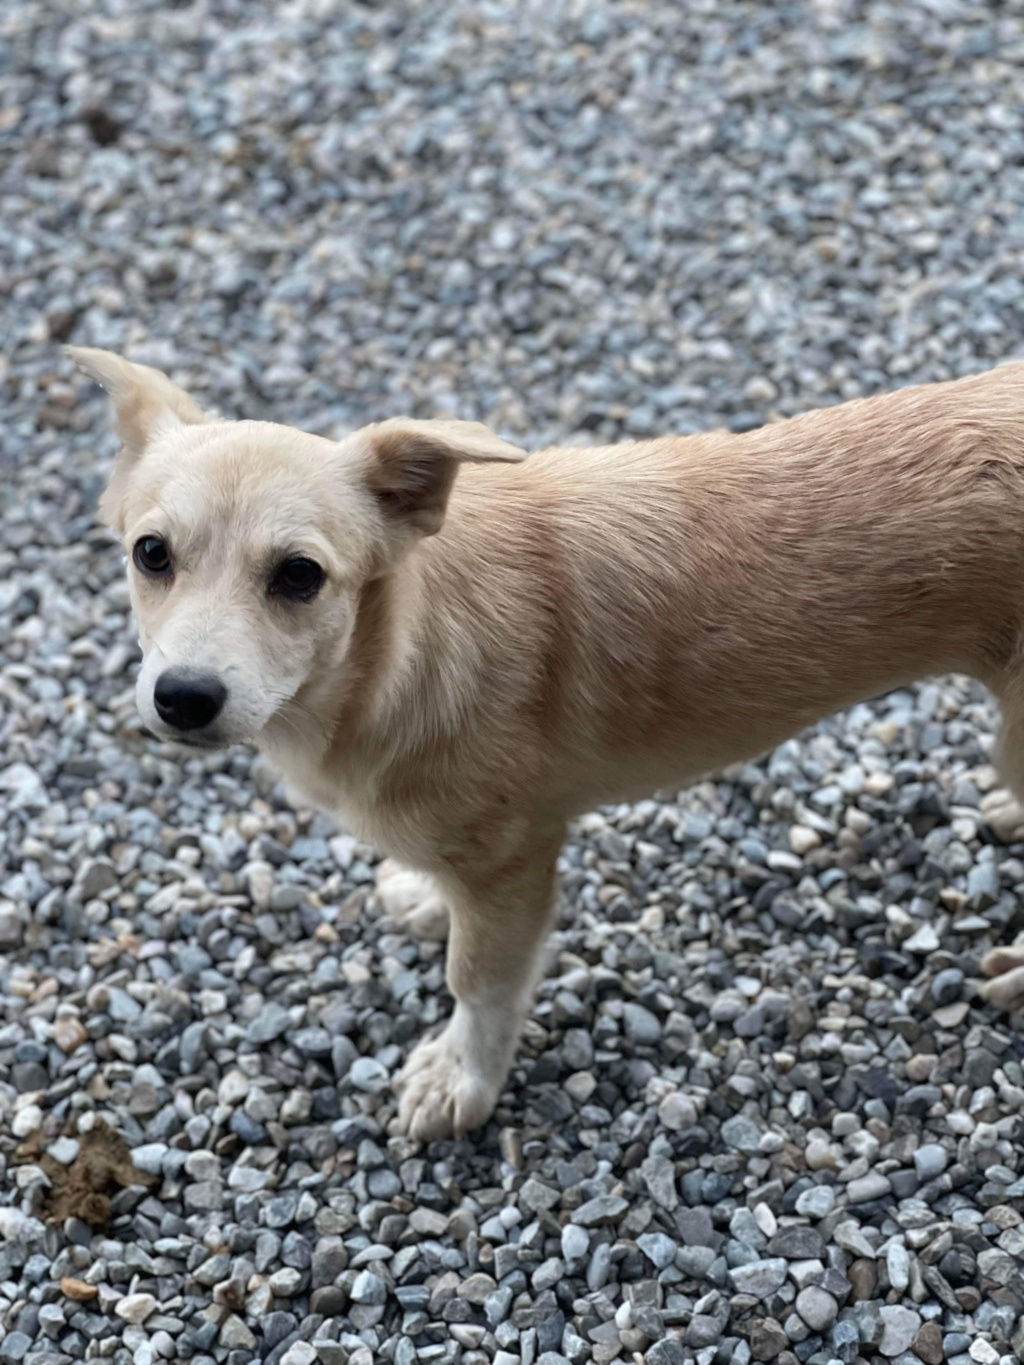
(802, 839)
(135, 1308)
(26, 1120)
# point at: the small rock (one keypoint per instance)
(534, 1195)
(816, 1202)
(897, 1262)
(695, 1261)
(135, 1308)
(369, 1288)
(925, 940)
(767, 1339)
(668, 1351)
(235, 1335)
(930, 1160)
(797, 1244)
(95, 876)
(946, 986)
(703, 1330)
(300, 1353)
(369, 1075)
(819, 1155)
(286, 1281)
(802, 839)
(983, 1352)
(983, 886)
(817, 1307)
(270, 1023)
(741, 1134)
(69, 1033)
(849, 1236)
(575, 1242)
(643, 1029)
(659, 1249)
(863, 1276)
(15, 1346)
(605, 1208)
(660, 1177)
(677, 1112)
(928, 1344)
(79, 1290)
(899, 1328)
(846, 1341)
(760, 1278)
(868, 1188)
(64, 1150)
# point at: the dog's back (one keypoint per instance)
(678, 602)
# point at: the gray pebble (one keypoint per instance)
(269, 1024)
(760, 1278)
(741, 1134)
(868, 1187)
(602, 1209)
(369, 1288)
(642, 1027)
(816, 1202)
(817, 1307)
(930, 1160)
(367, 1074)
(899, 1327)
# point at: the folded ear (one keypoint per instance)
(143, 398)
(413, 465)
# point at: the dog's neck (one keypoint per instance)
(399, 696)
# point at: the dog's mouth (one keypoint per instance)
(208, 745)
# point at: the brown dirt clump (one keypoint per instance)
(83, 1189)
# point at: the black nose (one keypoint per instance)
(188, 700)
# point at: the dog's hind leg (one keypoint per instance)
(413, 900)
(1003, 811)
(499, 919)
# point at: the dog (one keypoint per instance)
(457, 648)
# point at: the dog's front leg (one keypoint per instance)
(498, 921)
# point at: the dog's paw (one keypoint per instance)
(440, 1095)
(1005, 967)
(411, 900)
(1004, 815)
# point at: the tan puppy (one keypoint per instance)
(456, 665)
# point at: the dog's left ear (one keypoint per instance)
(143, 398)
(413, 465)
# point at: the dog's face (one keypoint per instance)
(247, 548)
(250, 546)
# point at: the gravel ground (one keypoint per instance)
(760, 1112)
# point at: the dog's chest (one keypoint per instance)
(354, 798)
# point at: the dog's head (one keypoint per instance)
(250, 545)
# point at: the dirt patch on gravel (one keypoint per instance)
(83, 1189)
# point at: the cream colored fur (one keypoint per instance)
(494, 652)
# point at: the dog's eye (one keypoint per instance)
(152, 556)
(298, 578)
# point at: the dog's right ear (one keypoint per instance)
(141, 395)
(143, 399)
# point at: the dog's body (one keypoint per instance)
(586, 625)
